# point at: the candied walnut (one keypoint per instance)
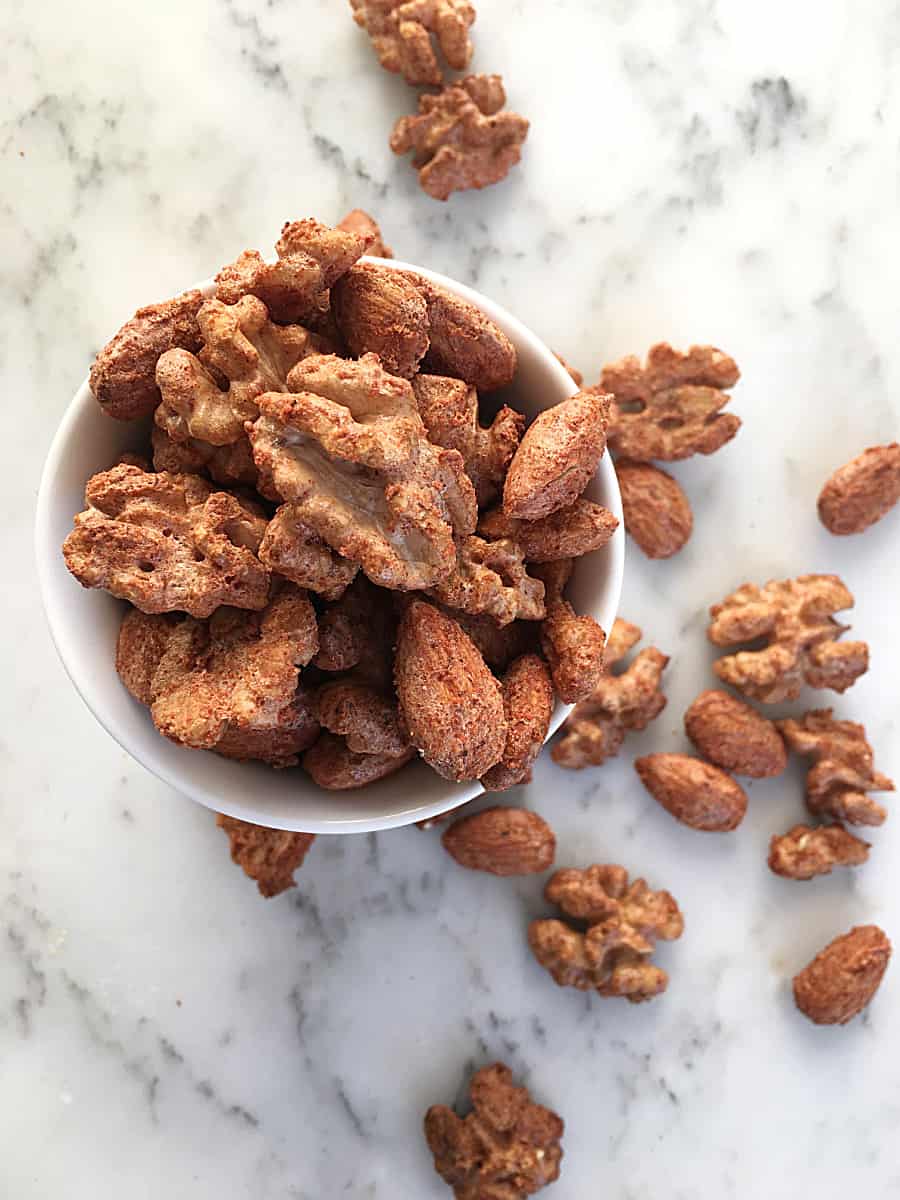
(379, 310)
(268, 856)
(843, 978)
(460, 139)
(490, 577)
(450, 702)
(311, 259)
(364, 225)
(449, 410)
(507, 1148)
(670, 408)
(795, 617)
(401, 32)
(142, 641)
(804, 852)
(567, 533)
(349, 452)
(292, 550)
(557, 457)
(735, 736)
(572, 645)
(623, 922)
(167, 542)
(528, 703)
(657, 512)
(334, 766)
(231, 465)
(366, 719)
(241, 345)
(619, 703)
(694, 792)
(576, 375)
(123, 377)
(861, 492)
(843, 771)
(356, 633)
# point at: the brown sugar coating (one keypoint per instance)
(804, 852)
(557, 457)
(735, 736)
(573, 645)
(498, 644)
(567, 533)
(269, 856)
(627, 701)
(365, 718)
(694, 792)
(491, 578)
(623, 923)
(280, 745)
(862, 491)
(502, 841)
(230, 466)
(450, 702)
(528, 704)
(364, 225)
(404, 34)
(240, 345)
(463, 342)
(141, 643)
(293, 551)
(843, 771)
(460, 138)
(843, 978)
(167, 542)
(507, 1148)
(311, 259)
(347, 449)
(381, 311)
(123, 377)
(337, 768)
(795, 617)
(356, 633)
(670, 408)
(657, 512)
(449, 410)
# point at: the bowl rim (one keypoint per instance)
(106, 716)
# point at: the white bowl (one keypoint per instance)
(84, 624)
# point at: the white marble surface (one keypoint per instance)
(700, 170)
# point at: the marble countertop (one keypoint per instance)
(697, 171)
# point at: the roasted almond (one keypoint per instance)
(693, 791)
(735, 736)
(842, 979)
(503, 841)
(528, 703)
(657, 512)
(862, 491)
(379, 310)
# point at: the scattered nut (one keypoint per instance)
(670, 408)
(843, 978)
(567, 533)
(506, 1149)
(804, 852)
(795, 617)
(843, 770)
(557, 457)
(657, 512)
(334, 766)
(379, 310)
(528, 704)
(862, 491)
(401, 32)
(735, 736)
(623, 922)
(693, 791)
(502, 841)
(627, 701)
(269, 856)
(572, 645)
(358, 221)
(460, 139)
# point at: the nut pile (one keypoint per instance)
(332, 561)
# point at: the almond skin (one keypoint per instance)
(862, 491)
(735, 736)
(528, 701)
(503, 841)
(693, 791)
(657, 512)
(380, 310)
(842, 979)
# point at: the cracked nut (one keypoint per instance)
(843, 978)
(693, 791)
(528, 703)
(804, 852)
(657, 512)
(861, 492)
(734, 736)
(268, 856)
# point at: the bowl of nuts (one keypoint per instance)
(346, 536)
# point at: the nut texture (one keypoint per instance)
(735, 736)
(528, 703)
(657, 512)
(557, 457)
(450, 702)
(623, 923)
(567, 533)
(502, 841)
(293, 551)
(804, 852)
(379, 310)
(693, 791)
(795, 616)
(572, 645)
(843, 771)
(269, 856)
(507, 1148)
(401, 33)
(490, 577)
(366, 720)
(670, 408)
(364, 225)
(862, 491)
(464, 343)
(842, 979)
(334, 766)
